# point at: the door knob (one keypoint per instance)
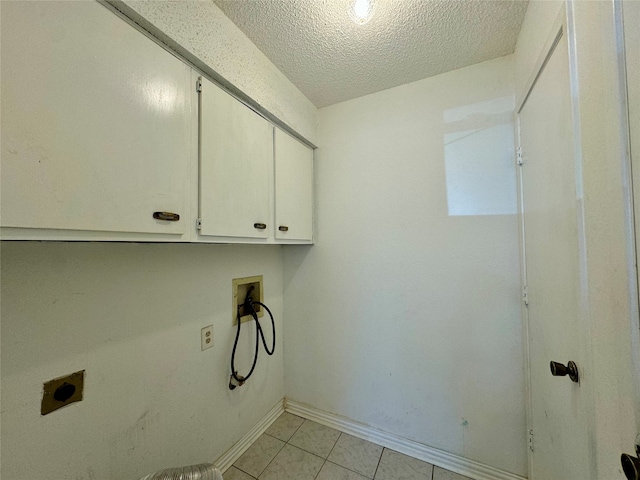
(631, 464)
(559, 370)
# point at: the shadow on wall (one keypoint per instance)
(479, 158)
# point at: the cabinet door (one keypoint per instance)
(236, 167)
(294, 189)
(95, 124)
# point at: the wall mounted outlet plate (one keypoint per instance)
(240, 287)
(206, 337)
(62, 391)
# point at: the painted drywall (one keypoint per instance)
(203, 31)
(405, 314)
(130, 315)
(536, 28)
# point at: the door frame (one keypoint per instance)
(607, 219)
(631, 142)
(559, 37)
(596, 37)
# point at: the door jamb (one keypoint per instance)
(632, 211)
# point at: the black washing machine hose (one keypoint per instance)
(249, 306)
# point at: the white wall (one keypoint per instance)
(536, 29)
(130, 315)
(200, 29)
(405, 315)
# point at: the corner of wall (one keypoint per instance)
(536, 28)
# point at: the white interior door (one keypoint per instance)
(552, 230)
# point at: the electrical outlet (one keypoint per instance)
(206, 337)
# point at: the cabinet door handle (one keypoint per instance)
(168, 216)
(260, 226)
(283, 228)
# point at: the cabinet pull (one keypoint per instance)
(168, 216)
(283, 228)
(260, 226)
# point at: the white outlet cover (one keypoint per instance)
(206, 337)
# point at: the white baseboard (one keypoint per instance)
(440, 458)
(241, 446)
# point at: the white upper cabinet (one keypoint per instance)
(293, 189)
(236, 169)
(104, 137)
(96, 123)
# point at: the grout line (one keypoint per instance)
(238, 468)
(274, 457)
(300, 448)
(342, 466)
(379, 460)
(297, 428)
(321, 467)
(306, 451)
(309, 451)
(353, 471)
(334, 446)
(455, 464)
(286, 442)
(326, 460)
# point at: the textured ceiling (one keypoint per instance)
(331, 59)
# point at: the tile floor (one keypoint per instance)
(297, 449)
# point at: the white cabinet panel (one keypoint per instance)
(294, 189)
(95, 123)
(236, 167)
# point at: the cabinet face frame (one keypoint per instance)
(108, 187)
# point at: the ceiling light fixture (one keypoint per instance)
(361, 11)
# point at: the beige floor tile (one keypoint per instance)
(234, 474)
(397, 466)
(442, 474)
(356, 454)
(315, 438)
(258, 456)
(293, 464)
(331, 471)
(285, 426)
